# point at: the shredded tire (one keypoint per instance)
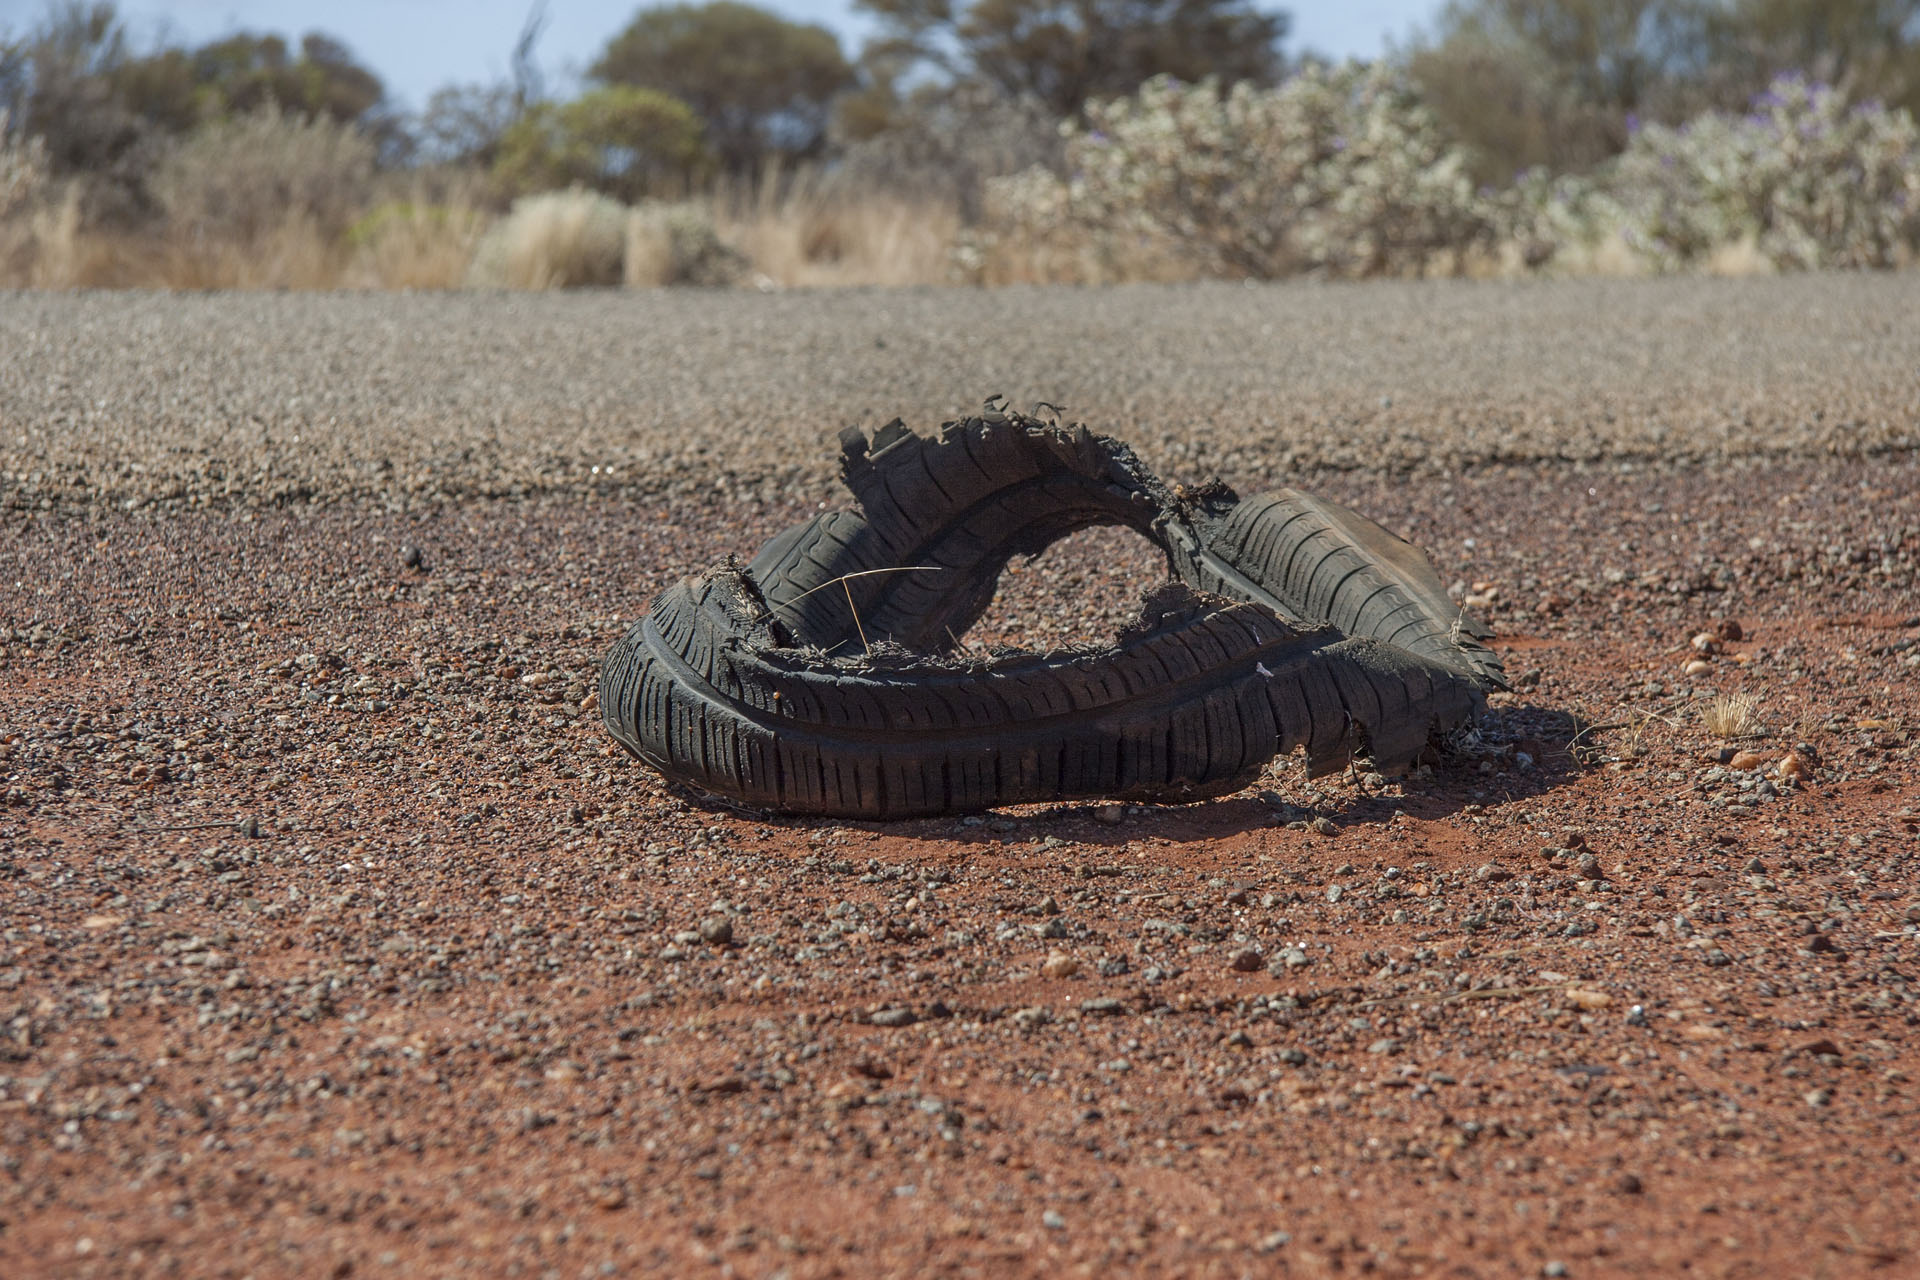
(938, 518)
(1192, 703)
(820, 679)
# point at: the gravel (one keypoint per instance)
(444, 1006)
(129, 398)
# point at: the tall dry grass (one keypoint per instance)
(556, 240)
(802, 231)
(51, 248)
(796, 241)
(415, 244)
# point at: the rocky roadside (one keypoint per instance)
(337, 938)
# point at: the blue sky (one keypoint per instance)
(418, 45)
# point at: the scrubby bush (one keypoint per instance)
(677, 243)
(1338, 170)
(1805, 178)
(1801, 181)
(23, 181)
(240, 178)
(558, 240)
(1559, 219)
(941, 144)
(23, 169)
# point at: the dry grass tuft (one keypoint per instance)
(1732, 715)
(807, 236)
(415, 245)
(558, 240)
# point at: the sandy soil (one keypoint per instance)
(466, 991)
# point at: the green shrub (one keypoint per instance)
(619, 140)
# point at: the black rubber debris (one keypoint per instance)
(821, 677)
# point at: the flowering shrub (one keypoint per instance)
(1803, 179)
(1809, 180)
(1338, 170)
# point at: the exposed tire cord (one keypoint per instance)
(762, 685)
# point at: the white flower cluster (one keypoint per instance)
(1805, 178)
(1339, 171)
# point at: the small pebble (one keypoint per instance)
(1059, 964)
(1288, 958)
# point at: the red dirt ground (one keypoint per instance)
(482, 996)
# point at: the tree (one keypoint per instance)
(465, 124)
(1563, 83)
(55, 82)
(1514, 106)
(624, 141)
(762, 85)
(1064, 52)
(104, 109)
(1868, 49)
